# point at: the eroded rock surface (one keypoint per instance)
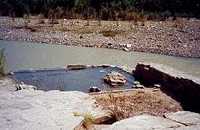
(115, 79)
(144, 122)
(148, 122)
(39, 110)
(185, 117)
(183, 87)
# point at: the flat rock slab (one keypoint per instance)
(185, 117)
(144, 122)
(39, 110)
(195, 127)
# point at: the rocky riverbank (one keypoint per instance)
(178, 38)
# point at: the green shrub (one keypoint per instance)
(2, 62)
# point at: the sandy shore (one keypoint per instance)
(178, 38)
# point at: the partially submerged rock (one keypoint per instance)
(139, 86)
(76, 67)
(94, 89)
(115, 79)
(136, 83)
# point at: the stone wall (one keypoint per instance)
(182, 87)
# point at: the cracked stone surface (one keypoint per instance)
(181, 120)
(185, 117)
(144, 122)
(39, 110)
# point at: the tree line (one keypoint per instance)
(101, 9)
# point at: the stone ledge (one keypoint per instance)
(148, 122)
(184, 88)
(52, 110)
(184, 117)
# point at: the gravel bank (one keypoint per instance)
(177, 38)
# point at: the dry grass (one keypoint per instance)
(124, 105)
(88, 119)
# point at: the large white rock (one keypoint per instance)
(185, 117)
(193, 127)
(144, 122)
(39, 110)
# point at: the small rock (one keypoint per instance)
(125, 49)
(136, 83)
(128, 45)
(11, 73)
(157, 85)
(115, 79)
(133, 86)
(139, 86)
(94, 89)
(109, 44)
(23, 86)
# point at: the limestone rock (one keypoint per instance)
(193, 127)
(115, 79)
(185, 117)
(39, 110)
(144, 122)
(185, 88)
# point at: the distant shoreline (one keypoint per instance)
(176, 38)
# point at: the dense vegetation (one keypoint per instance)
(104, 9)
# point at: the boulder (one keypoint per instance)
(193, 127)
(184, 88)
(144, 122)
(39, 110)
(115, 79)
(185, 117)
